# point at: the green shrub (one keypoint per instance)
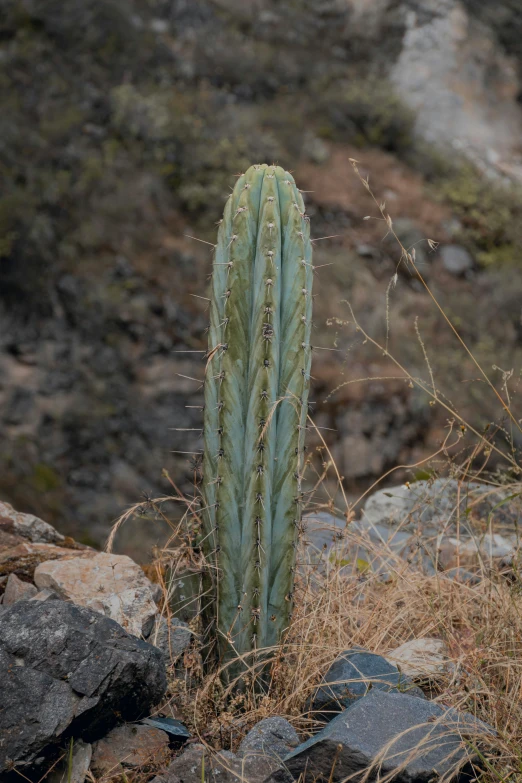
(489, 211)
(367, 111)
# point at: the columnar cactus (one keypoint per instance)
(256, 400)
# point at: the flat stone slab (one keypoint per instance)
(23, 557)
(26, 541)
(411, 739)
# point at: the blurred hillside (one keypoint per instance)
(122, 125)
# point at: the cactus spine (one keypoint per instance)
(256, 400)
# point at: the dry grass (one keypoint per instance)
(339, 605)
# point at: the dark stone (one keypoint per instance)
(352, 675)
(172, 637)
(412, 740)
(177, 731)
(69, 671)
(274, 737)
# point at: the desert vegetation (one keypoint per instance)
(260, 351)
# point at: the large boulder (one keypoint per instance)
(354, 674)
(433, 504)
(410, 739)
(68, 671)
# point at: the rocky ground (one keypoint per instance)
(122, 127)
(99, 671)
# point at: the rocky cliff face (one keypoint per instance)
(123, 126)
(462, 82)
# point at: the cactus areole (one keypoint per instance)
(256, 401)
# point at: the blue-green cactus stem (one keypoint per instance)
(256, 396)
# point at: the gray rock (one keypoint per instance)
(81, 761)
(379, 547)
(172, 638)
(419, 524)
(410, 739)
(367, 251)
(429, 504)
(69, 671)
(352, 675)
(274, 737)
(17, 590)
(224, 767)
(484, 519)
(28, 526)
(456, 259)
(463, 576)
